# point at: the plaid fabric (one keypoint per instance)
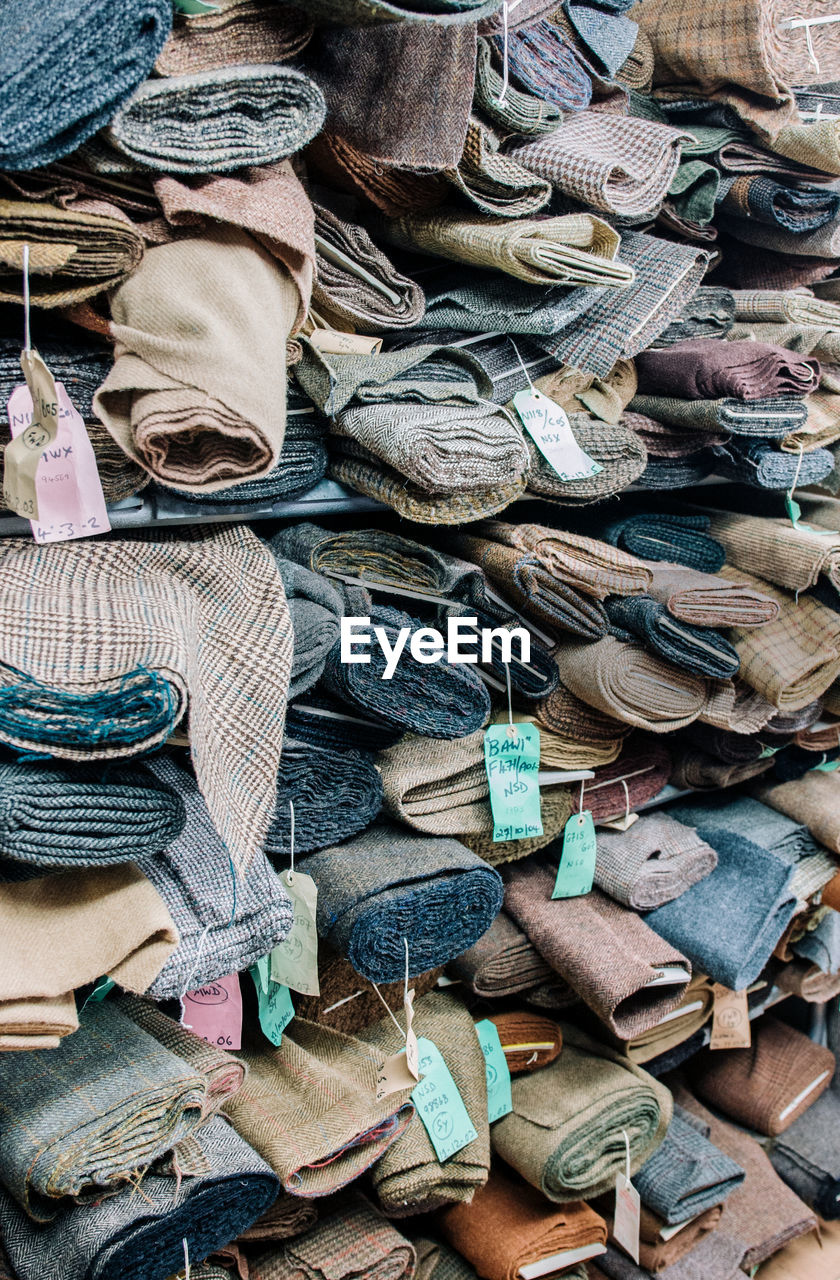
(206, 607)
(593, 567)
(778, 552)
(544, 63)
(656, 860)
(614, 163)
(779, 306)
(350, 1240)
(495, 183)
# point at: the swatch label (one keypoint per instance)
(274, 1001)
(550, 429)
(294, 961)
(499, 1099)
(440, 1105)
(512, 761)
(214, 1012)
(730, 1019)
(577, 861)
(23, 452)
(627, 1216)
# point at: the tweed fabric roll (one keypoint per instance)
(164, 389)
(556, 807)
(762, 1214)
(65, 930)
(347, 1002)
(503, 962)
(73, 255)
(287, 1216)
(371, 894)
(779, 306)
(335, 795)
(219, 586)
(745, 816)
(387, 301)
(808, 982)
(656, 860)
(618, 450)
(351, 1239)
(769, 1085)
(96, 75)
(676, 1028)
(221, 930)
(605, 953)
(528, 1040)
(78, 359)
(565, 750)
(591, 566)
(698, 650)
(576, 249)
(798, 655)
(677, 539)
(810, 800)
(544, 62)
(302, 463)
(776, 205)
(729, 923)
(759, 465)
(770, 417)
(564, 1133)
(639, 774)
(658, 1255)
(74, 1130)
(709, 314)
(478, 301)
(248, 115)
(697, 770)
(708, 600)
(709, 370)
(678, 473)
(687, 1174)
(515, 112)
(246, 32)
(387, 187)
(71, 816)
(309, 1108)
(436, 1261)
(609, 162)
(315, 608)
(409, 1179)
(588, 733)
(805, 1156)
(625, 681)
(507, 1226)
(127, 1236)
(777, 552)
(493, 182)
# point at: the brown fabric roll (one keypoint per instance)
(763, 1214)
(732, 705)
(504, 962)
(524, 1037)
(393, 191)
(288, 1216)
(708, 600)
(656, 1254)
(607, 954)
(494, 182)
(776, 551)
(595, 568)
(37, 1022)
(350, 1240)
(347, 1001)
(696, 770)
(815, 1256)
(249, 31)
(799, 978)
(813, 799)
(643, 767)
(762, 1087)
(581, 726)
(510, 1224)
(560, 752)
(619, 451)
(678, 1025)
(350, 300)
(653, 862)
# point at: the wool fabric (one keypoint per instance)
(351, 1239)
(528, 1040)
(364, 12)
(248, 32)
(766, 548)
(709, 314)
(347, 1002)
(503, 962)
(492, 181)
(385, 300)
(591, 566)
(769, 417)
(698, 650)
(385, 885)
(437, 1261)
(709, 370)
(775, 205)
(98, 53)
(315, 608)
(677, 1028)
(676, 539)
(515, 112)
(804, 1156)
(653, 862)
(810, 800)
(639, 774)
(619, 452)
(335, 794)
(561, 1134)
(544, 62)
(687, 1175)
(287, 1216)
(758, 464)
(708, 600)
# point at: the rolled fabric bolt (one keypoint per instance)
(528, 1040)
(653, 862)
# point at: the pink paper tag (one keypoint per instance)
(70, 501)
(214, 1012)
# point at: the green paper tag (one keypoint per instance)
(577, 861)
(794, 512)
(829, 766)
(275, 1002)
(766, 752)
(294, 961)
(193, 8)
(512, 761)
(499, 1099)
(550, 429)
(440, 1105)
(101, 988)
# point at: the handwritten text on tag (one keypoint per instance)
(551, 431)
(214, 1012)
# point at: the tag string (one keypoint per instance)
(626, 799)
(388, 1009)
(505, 63)
(582, 784)
(186, 1260)
(405, 985)
(626, 1152)
(511, 726)
(290, 873)
(522, 364)
(792, 488)
(27, 338)
(807, 23)
(195, 965)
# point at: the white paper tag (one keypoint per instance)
(550, 429)
(627, 1214)
(294, 961)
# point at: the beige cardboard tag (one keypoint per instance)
(393, 1075)
(333, 342)
(23, 454)
(730, 1019)
(294, 961)
(620, 824)
(627, 1214)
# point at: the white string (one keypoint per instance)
(796, 473)
(505, 66)
(290, 873)
(626, 798)
(405, 986)
(522, 364)
(511, 728)
(627, 1153)
(26, 334)
(532, 1058)
(582, 781)
(807, 23)
(388, 1008)
(186, 1260)
(187, 986)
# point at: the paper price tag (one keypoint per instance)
(512, 761)
(214, 1012)
(577, 861)
(69, 499)
(440, 1105)
(627, 1215)
(294, 961)
(621, 824)
(393, 1075)
(334, 342)
(828, 766)
(550, 429)
(499, 1099)
(101, 989)
(730, 1019)
(23, 452)
(274, 1002)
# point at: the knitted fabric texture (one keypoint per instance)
(507, 1226)
(351, 1239)
(226, 920)
(386, 884)
(699, 650)
(707, 600)
(248, 32)
(81, 815)
(309, 1108)
(687, 1174)
(384, 300)
(676, 539)
(74, 1130)
(605, 953)
(335, 794)
(653, 862)
(217, 120)
(128, 1237)
(729, 923)
(710, 370)
(215, 596)
(409, 1178)
(98, 54)
(560, 1135)
(224, 291)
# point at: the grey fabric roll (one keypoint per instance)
(687, 1174)
(225, 921)
(709, 314)
(821, 945)
(315, 608)
(388, 884)
(216, 121)
(335, 794)
(393, 302)
(772, 417)
(744, 816)
(653, 862)
(475, 301)
(806, 1156)
(764, 467)
(700, 650)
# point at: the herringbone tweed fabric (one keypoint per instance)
(351, 1239)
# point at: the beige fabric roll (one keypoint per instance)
(813, 799)
(198, 391)
(777, 551)
(593, 567)
(732, 704)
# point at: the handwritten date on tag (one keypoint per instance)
(440, 1105)
(577, 860)
(214, 1012)
(512, 762)
(274, 1001)
(550, 429)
